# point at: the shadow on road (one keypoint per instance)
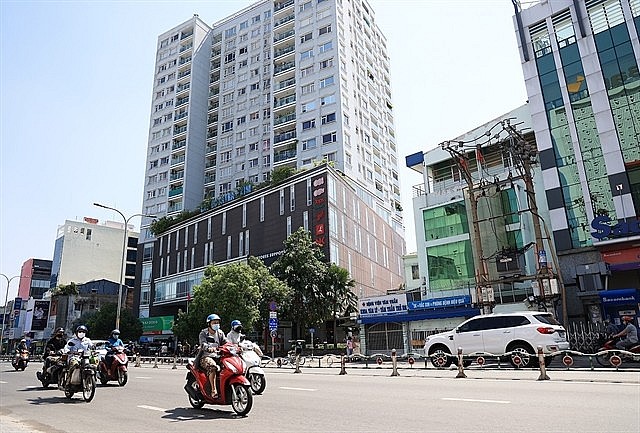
(190, 414)
(55, 400)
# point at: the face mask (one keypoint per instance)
(81, 335)
(115, 337)
(215, 327)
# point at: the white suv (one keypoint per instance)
(515, 334)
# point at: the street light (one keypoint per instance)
(4, 318)
(124, 254)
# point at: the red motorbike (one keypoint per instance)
(609, 349)
(233, 387)
(119, 367)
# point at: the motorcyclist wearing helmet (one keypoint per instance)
(79, 342)
(55, 344)
(208, 353)
(112, 342)
(236, 332)
(629, 334)
(20, 347)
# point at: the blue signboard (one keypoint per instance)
(273, 324)
(453, 301)
(620, 296)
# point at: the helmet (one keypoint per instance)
(81, 328)
(211, 317)
(24, 340)
(236, 325)
(59, 331)
(627, 319)
(116, 332)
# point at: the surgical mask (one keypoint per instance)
(115, 336)
(215, 327)
(81, 335)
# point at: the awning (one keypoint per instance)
(620, 296)
(440, 313)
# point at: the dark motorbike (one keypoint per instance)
(20, 362)
(233, 387)
(609, 349)
(51, 369)
(119, 367)
(81, 365)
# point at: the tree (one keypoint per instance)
(235, 291)
(66, 290)
(101, 323)
(339, 295)
(302, 267)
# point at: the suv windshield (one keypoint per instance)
(546, 318)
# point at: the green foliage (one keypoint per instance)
(66, 289)
(338, 293)
(102, 322)
(235, 291)
(280, 174)
(166, 222)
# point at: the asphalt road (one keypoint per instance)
(320, 400)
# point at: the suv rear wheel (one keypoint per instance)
(523, 353)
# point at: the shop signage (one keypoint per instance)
(453, 301)
(383, 305)
(620, 296)
(157, 325)
(603, 228)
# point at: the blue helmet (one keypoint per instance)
(211, 317)
(236, 325)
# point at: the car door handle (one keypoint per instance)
(506, 332)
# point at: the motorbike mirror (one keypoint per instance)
(242, 337)
(71, 343)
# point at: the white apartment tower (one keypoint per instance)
(279, 83)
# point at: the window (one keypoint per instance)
(329, 138)
(241, 120)
(325, 82)
(326, 63)
(307, 88)
(253, 163)
(230, 57)
(329, 99)
(308, 106)
(306, 54)
(244, 25)
(282, 202)
(306, 37)
(306, 71)
(326, 47)
(305, 6)
(242, 91)
(308, 124)
(328, 118)
(254, 116)
(255, 86)
(227, 126)
(309, 144)
(230, 32)
(324, 30)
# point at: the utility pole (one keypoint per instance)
(484, 291)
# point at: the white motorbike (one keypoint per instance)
(252, 357)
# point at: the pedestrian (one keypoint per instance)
(186, 348)
(179, 348)
(164, 349)
(349, 346)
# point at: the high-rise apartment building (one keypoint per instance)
(277, 84)
(580, 62)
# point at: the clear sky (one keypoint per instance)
(76, 81)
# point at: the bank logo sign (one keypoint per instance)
(605, 228)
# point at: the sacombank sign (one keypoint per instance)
(605, 230)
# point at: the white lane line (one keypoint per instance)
(159, 409)
(32, 387)
(143, 377)
(2, 381)
(297, 389)
(477, 400)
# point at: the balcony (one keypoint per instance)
(177, 160)
(287, 154)
(181, 101)
(280, 6)
(211, 148)
(209, 179)
(216, 39)
(175, 207)
(212, 119)
(175, 191)
(286, 118)
(212, 134)
(284, 35)
(283, 51)
(284, 20)
(284, 67)
(179, 130)
(289, 135)
(284, 84)
(210, 163)
(184, 60)
(284, 101)
(183, 87)
(186, 47)
(177, 176)
(179, 144)
(216, 52)
(213, 105)
(186, 35)
(184, 73)
(181, 115)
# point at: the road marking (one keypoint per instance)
(159, 409)
(32, 387)
(477, 400)
(2, 381)
(297, 389)
(143, 377)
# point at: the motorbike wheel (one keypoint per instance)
(23, 366)
(258, 383)
(196, 404)
(88, 387)
(103, 378)
(43, 379)
(241, 399)
(123, 376)
(603, 359)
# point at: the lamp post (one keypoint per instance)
(4, 318)
(124, 253)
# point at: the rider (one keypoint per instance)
(20, 347)
(55, 343)
(77, 343)
(236, 331)
(208, 353)
(112, 342)
(630, 334)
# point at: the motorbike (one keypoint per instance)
(233, 387)
(119, 367)
(252, 357)
(609, 349)
(20, 362)
(82, 367)
(51, 369)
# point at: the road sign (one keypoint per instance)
(273, 314)
(274, 333)
(273, 324)
(312, 330)
(273, 306)
(567, 360)
(480, 360)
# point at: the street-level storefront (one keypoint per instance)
(621, 302)
(391, 322)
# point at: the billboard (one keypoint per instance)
(40, 315)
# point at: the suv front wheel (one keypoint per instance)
(440, 357)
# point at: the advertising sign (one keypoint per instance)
(40, 315)
(453, 301)
(383, 305)
(17, 306)
(157, 325)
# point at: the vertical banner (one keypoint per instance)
(320, 217)
(17, 306)
(40, 315)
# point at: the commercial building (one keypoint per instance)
(338, 215)
(580, 64)
(34, 278)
